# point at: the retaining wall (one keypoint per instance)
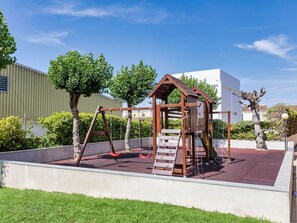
(271, 202)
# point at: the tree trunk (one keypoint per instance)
(75, 129)
(260, 142)
(128, 129)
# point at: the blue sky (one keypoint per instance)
(255, 40)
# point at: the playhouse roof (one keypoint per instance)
(203, 94)
(167, 85)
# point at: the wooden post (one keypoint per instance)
(88, 135)
(154, 126)
(193, 151)
(184, 152)
(207, 144)
(107, 132)
(166, 113)
(229, 135)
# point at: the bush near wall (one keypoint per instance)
(59, 127)
(13, 137)
(277, 125)
(245, 130)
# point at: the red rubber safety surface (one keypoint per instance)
(246, 166)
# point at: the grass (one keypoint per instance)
(38, 206)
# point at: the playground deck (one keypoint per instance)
(246, 165)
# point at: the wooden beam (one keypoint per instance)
(184, 151)
(229, 135)
(154, 126)
(126, 109)
(220, 112)
(179, 105)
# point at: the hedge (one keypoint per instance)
(59, 127)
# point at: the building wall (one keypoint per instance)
(247, 116)
(226, 85)
(30, 92)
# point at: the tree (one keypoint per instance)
(254, 98)
(191, 82)
(79, 75)
(132, 86)
(7, 44)
(277, 125)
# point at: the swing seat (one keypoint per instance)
(114, 154)
(142, 156)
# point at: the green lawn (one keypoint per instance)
(38, 206)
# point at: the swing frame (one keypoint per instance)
(105, 132)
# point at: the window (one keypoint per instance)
(3, 83)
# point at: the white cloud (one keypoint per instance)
(277, 46)
(70, 9)
(141, 13)
(48, 38)
(280, 88)
(289, 69)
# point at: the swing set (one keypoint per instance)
(108, 131)
(196, 117)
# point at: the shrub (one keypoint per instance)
(59, 127)
(276, 124)
(243, 130)
(13, 137)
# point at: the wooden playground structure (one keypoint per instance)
(196, 116)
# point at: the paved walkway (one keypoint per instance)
(294, 197)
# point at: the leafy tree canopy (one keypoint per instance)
(275, 112)
(133, 85)
(80, 74)
(7, 44)
(277, 125)
(191, 82)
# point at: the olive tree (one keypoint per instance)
(7, 44)
(79, 75)
(253, 98)
(191, 82)
(132, 86)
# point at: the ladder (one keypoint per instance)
(167, 148)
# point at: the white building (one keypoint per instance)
(248, 116)
(226, 86)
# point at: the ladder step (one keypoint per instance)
(170, 131)
(165, 158)
(162, 172)
(173, 151)
(99, 133)
(164, 165)
(168, 144)
(162, 137)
